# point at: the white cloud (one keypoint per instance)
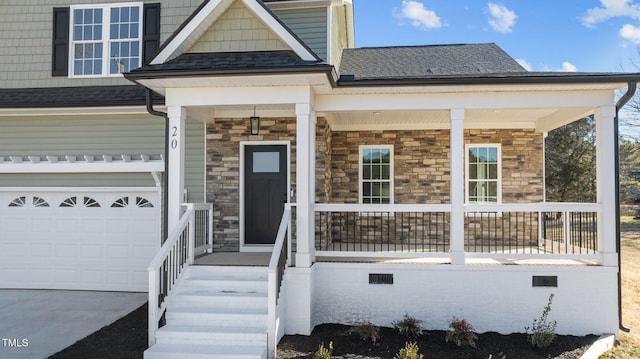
(568, 67)
(502, 19)
(610, 9)
(419, 17)
(524, 64)
(631, 33)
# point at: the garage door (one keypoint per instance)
(99, 239)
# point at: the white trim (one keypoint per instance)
(498, 146)
(299, 4)
(78, 189)
(184, 37)
(243, 144)
(391, 170)
(108, 165)
(73, 111)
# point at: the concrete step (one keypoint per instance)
(212, 335)
(190, 351)
(224, 283)
(215, 312)
(230, 299)
(221, 316)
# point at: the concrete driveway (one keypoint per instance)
(38, 323)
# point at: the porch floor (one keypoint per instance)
(262, 260)
(234, 259)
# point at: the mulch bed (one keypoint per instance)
(127, 338)
(432, 344)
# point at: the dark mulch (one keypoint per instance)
(127, 338)
(432, 344)
(124, 339)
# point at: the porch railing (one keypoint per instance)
(277, 266)
(187, 240)
(530, 230)
(397, 228)
(491, 230)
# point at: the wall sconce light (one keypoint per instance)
(255, 123)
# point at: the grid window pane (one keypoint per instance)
(376, 174)
(122, 47)
(483, 174)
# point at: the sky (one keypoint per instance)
(542, 35)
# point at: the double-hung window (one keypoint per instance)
(376, 174)
(105, 39)
(483, 174)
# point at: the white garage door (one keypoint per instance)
(98, 239)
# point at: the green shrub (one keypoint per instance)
(542, 331)
(323, 353)
(461, 333)
(367, 331)
(410, 351)
(409, 326)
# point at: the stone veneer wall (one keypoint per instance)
(422, 175)
(223, 168)
(422, 163)
(421, 159)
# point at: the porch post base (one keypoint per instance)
(299, 291)
(458, 258)
(303, 260)
(609, 259)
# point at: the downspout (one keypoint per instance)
(631, 90)
(165, 185)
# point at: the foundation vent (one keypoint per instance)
(545, 281)
(380, 278)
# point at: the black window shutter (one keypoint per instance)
(150, 31)
(60, 45)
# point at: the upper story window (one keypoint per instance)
(483, 174)
(376, 174)
(105, 39)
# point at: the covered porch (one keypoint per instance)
(426, 209)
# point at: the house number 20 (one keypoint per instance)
(174, 137)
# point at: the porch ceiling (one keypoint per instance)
(540, 119)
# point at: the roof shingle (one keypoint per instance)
(85, 96)
(229, 61)
(416, 62)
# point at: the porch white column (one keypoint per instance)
(305, 183)
(606, 183)
(457, 186)
(177, 116)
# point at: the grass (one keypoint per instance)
(629, 346)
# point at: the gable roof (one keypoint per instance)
(415, 62)
(208, 12)
(227, 62)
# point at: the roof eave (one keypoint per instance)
(491, 80)
(162, 74)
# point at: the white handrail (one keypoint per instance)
(446, 207)
(273, 281)
(156, 309)
(187, 223)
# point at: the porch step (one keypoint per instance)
(188, 351)
(201, 334)
(220, 316)
(215, 312)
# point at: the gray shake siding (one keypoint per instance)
(25, 44)
(310, 25)
(26, 28)
(95, 135)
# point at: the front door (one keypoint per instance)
(265, 192)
